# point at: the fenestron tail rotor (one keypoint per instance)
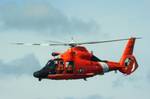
(58, 43)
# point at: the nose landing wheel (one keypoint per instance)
(40, 79)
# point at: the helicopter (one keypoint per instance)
(78, 63)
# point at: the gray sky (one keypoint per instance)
(86, 20)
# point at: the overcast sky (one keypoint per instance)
(84, 20)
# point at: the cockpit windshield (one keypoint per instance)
(50, 64)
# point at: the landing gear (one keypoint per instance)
(84, 79)
(40, 79)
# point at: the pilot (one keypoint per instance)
(51, 66)
(60, 67)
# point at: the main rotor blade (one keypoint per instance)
(93, 42)
(58, 42)
(31, 44)
(72, 44)
(41, 44)
(106, 41)
(54, 43)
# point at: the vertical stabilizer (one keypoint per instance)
(128, 62)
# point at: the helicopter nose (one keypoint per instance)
(36, 74)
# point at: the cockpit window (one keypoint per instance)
(54, 66)
(50, 63)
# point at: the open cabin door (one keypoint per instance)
(60, 67)
(70, 67)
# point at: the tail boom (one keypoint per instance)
(128, 61)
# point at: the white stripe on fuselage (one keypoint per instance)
(104, 66)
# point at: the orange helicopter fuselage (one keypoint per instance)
(84, 64)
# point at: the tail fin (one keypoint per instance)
(128, 62)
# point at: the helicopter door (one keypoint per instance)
(70, 67)
(60, 67)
